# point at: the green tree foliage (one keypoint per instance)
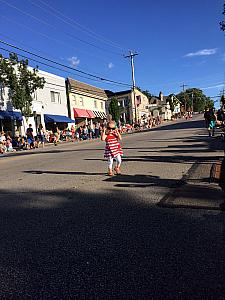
(209, 103)
(114, 109)
(21, 82)
(222, 23)
(194, 97)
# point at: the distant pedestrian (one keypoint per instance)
(97, 130)
(30, 137)
(210, 120)
(41, 135)
(56, 133)
(113, 149)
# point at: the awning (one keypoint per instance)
(16, 115)
(100, 114)
(91, 115)
(104, 116)
(4, 115)
(57, 119)
(80, 113)
(13, 115)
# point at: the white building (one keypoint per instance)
(50, 103)
(10, 118)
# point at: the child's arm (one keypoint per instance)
(118, 135)
(103, 135)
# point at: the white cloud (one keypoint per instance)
(74, 61)
(202, 52)
(110, 65)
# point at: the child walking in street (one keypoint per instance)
(113, 150)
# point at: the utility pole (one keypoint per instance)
(185, 100)
(131, 56)
(183, 86)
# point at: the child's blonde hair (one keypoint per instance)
(112, 123)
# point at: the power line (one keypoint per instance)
(50, 25)
(54, 67)
(84, 28)
(62, 65)
(49, 38)
(69, 23)
(74, 88)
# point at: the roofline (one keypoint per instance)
(86, 84)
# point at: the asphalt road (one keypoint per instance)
(67, 231)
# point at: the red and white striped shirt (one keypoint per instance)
(112, 147)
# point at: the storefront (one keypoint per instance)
(82, 116)
(10, 121)
(61, 121)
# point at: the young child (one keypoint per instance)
(8, 144)
(23, 144)
(113, 150)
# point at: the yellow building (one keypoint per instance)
(85, 102)
(133, 105)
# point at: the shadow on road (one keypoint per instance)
(181, 125)
(40, 172)
(57, 245)
(188, 159)
(142, 181)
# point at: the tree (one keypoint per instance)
(209, 103)
(222, 23)
(114, 109)
(21, 82)
(194, 97)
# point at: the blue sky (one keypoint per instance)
(177, 41)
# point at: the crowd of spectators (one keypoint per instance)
(82, 132)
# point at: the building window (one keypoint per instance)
(102, 107)
(81, 101)
(55, 97)
(95, 104)
(121, 103)
(74, 100)
(126, 101)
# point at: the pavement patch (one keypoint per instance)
(195, 191)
